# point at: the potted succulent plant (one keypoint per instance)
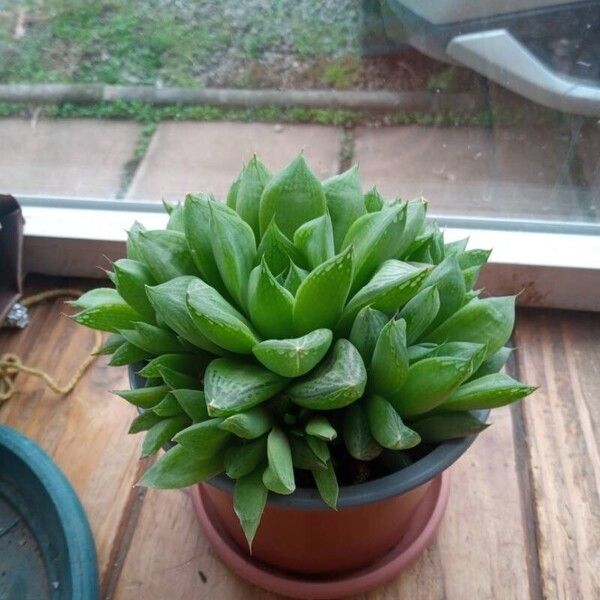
(304, 348)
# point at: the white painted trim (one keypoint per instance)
(558, 270)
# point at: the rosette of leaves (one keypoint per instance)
(297, 328)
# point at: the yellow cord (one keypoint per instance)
(10, 364)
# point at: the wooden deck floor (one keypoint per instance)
(524, 514)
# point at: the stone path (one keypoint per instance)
(496, 172)
(83, 157)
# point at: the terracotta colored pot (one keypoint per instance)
(322, 541)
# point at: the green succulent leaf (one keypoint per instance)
(294, 357)
(474, 353)
(152, 339)
(447, 426)
(387, 427)
(450, 284)
(251, 183)
(321, 428)
(249, 500)
(489, 391)
(373, 200)
(278, 250)
(271, 306)
(419, 313)
(104, 309)
(111, 344)
(133, 237)
(358, 439)
(168, 406)
(127, 354)
(327, 485)
(231, 200)
(175, 222)
(279, 475)
(170, 303)
(162, 432)
(321, 296)
(295, 276)
(488, 321)
(191, 364)
(244, 459)
(302, 456)
(292, 197)
(218, 320)
(314, 239)
(192, 403)
(146, 397)
(319, 447)
(456, 248)
(144, 422)
(415, 219)
(389, 366)
(420, 351)
(197, 223)
(366, 330)
(206, 438)
(231, 386)
(392, 286)
(176, 380)
(494, 363)
(166, 254)
(430, 381)
(473, 258)
(375, 237)
(181, 467)
(345, 203)
(132, 277)
(338, 381)
(234, 249)
(249, 424)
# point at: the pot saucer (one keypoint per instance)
(420, 533)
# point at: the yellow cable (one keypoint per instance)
(11, 364)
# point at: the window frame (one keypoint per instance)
(548, 264)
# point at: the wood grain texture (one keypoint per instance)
(480, 549)
(86, 431)
(560, 352)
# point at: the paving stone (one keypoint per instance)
(66, 157)
(190, 156)
(519, 173)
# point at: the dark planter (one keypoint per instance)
(300, 534)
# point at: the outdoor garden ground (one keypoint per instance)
(522, 520)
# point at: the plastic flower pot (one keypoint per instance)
(305, 549)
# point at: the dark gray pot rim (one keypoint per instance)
(395, 484)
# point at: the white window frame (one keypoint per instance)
(551, 265)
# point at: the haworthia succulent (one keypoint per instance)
(387, 427)
(292, 197)
(132, 277)
(279, 475)
(345, 202)
(166, 254)
(232, 386)
(249, 500)
(366, 330)
(447, 426)
(278, 250)
(271, 306)
(250, 186)
(249, 424)
(296, 356)
(321, 296)
(162, 432)
(389, 365)
(373, 200)
(314, 239)
(104, 309)
(242, 460)
(218, 320)
(193, 403)
(337, 382)
(170, 302)
(234, 249)
(419, 312)
(327, 484)
(358, 439)
(494, 363)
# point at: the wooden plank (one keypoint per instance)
(560, 352)
(480, 552)
(86, 431)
